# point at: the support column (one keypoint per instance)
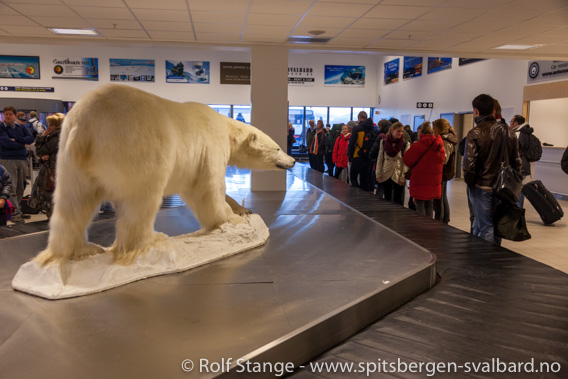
(269, 107)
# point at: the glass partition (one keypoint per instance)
(339, 115)
(225, 110)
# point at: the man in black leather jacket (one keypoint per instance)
(482, 161)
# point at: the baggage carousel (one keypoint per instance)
(326, 272)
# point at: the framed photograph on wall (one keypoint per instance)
(19, 67)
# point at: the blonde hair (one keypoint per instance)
(442, 126)
(426, 128)
(55, 119)
(396, 125)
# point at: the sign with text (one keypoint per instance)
(344, 76)
(235, 72)
(391, 71)
(19, 67)
(187, 72)
(75, 68)
(301, 76)
(541, 71)
(132, 70)
(26, 89)
(412, 67)
(436, 64)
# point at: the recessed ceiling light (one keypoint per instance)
(518, 47)
(77, 32)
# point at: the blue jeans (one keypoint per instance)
(483, 204)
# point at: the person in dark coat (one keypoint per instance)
(317, 147)
(47, 146)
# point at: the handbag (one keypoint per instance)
(509, 222)
(509, 181)
(408, 173)
(49, 183)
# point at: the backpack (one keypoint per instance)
(368, 142)
(449, 169)
(533, 151)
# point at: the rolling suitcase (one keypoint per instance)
(543, 201)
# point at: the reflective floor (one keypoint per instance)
(325, 272)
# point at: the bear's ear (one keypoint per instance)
(252, 137)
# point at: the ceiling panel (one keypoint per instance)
(339, 10)
(453, 14)
(161, 15)
(219, 28)
(96, 12)
(378, 23)
(324, 21)
(218, 17)
(113, 24)
(171, 36)
(6, 21)
(473, 26)
(268, 30)
(219, 5)
(61, 22)
(168, 26)
(217, 37)
(98, 3)
(361, 33)
(303, 31)
(397, 12)
(280, 6)
(273, 19)
(534, 5)
(116, 33)
(160, 4)
(412, 36)
(43, 10)
(434, 26)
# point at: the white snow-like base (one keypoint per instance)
(98, 273)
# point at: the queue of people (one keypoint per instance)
(383, 159)
(17, 137)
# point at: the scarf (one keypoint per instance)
(50, 130)
(315, 142)
(393, 146)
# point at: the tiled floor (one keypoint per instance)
(549, 244)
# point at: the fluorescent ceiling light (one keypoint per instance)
(77, 32)
(518, 47)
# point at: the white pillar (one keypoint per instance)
(269, 107)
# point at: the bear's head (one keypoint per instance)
(257, 151)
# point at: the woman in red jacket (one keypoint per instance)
(340, 158)
(426, 158)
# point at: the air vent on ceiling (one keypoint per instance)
(308, 39)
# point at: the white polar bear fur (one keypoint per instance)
(122, 144)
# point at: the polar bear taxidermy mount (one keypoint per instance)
(162, 148)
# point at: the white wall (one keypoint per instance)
(453, 90)
(319, 95)
(72, 90)
(213, 93)
(549, 118)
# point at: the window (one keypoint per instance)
(339, 115)
(418, 120)
(357, 110)
(241, 113)
(225, 110)
(317, 113)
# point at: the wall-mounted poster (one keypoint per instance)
(339, 76)
(19, 67)
(391, 71)
(187, 72)
(301, 76)
(412, 67)
(76, 68)
(464, 61)
(540, 71)
(436, 64)
(235, 72)
(132, 70)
